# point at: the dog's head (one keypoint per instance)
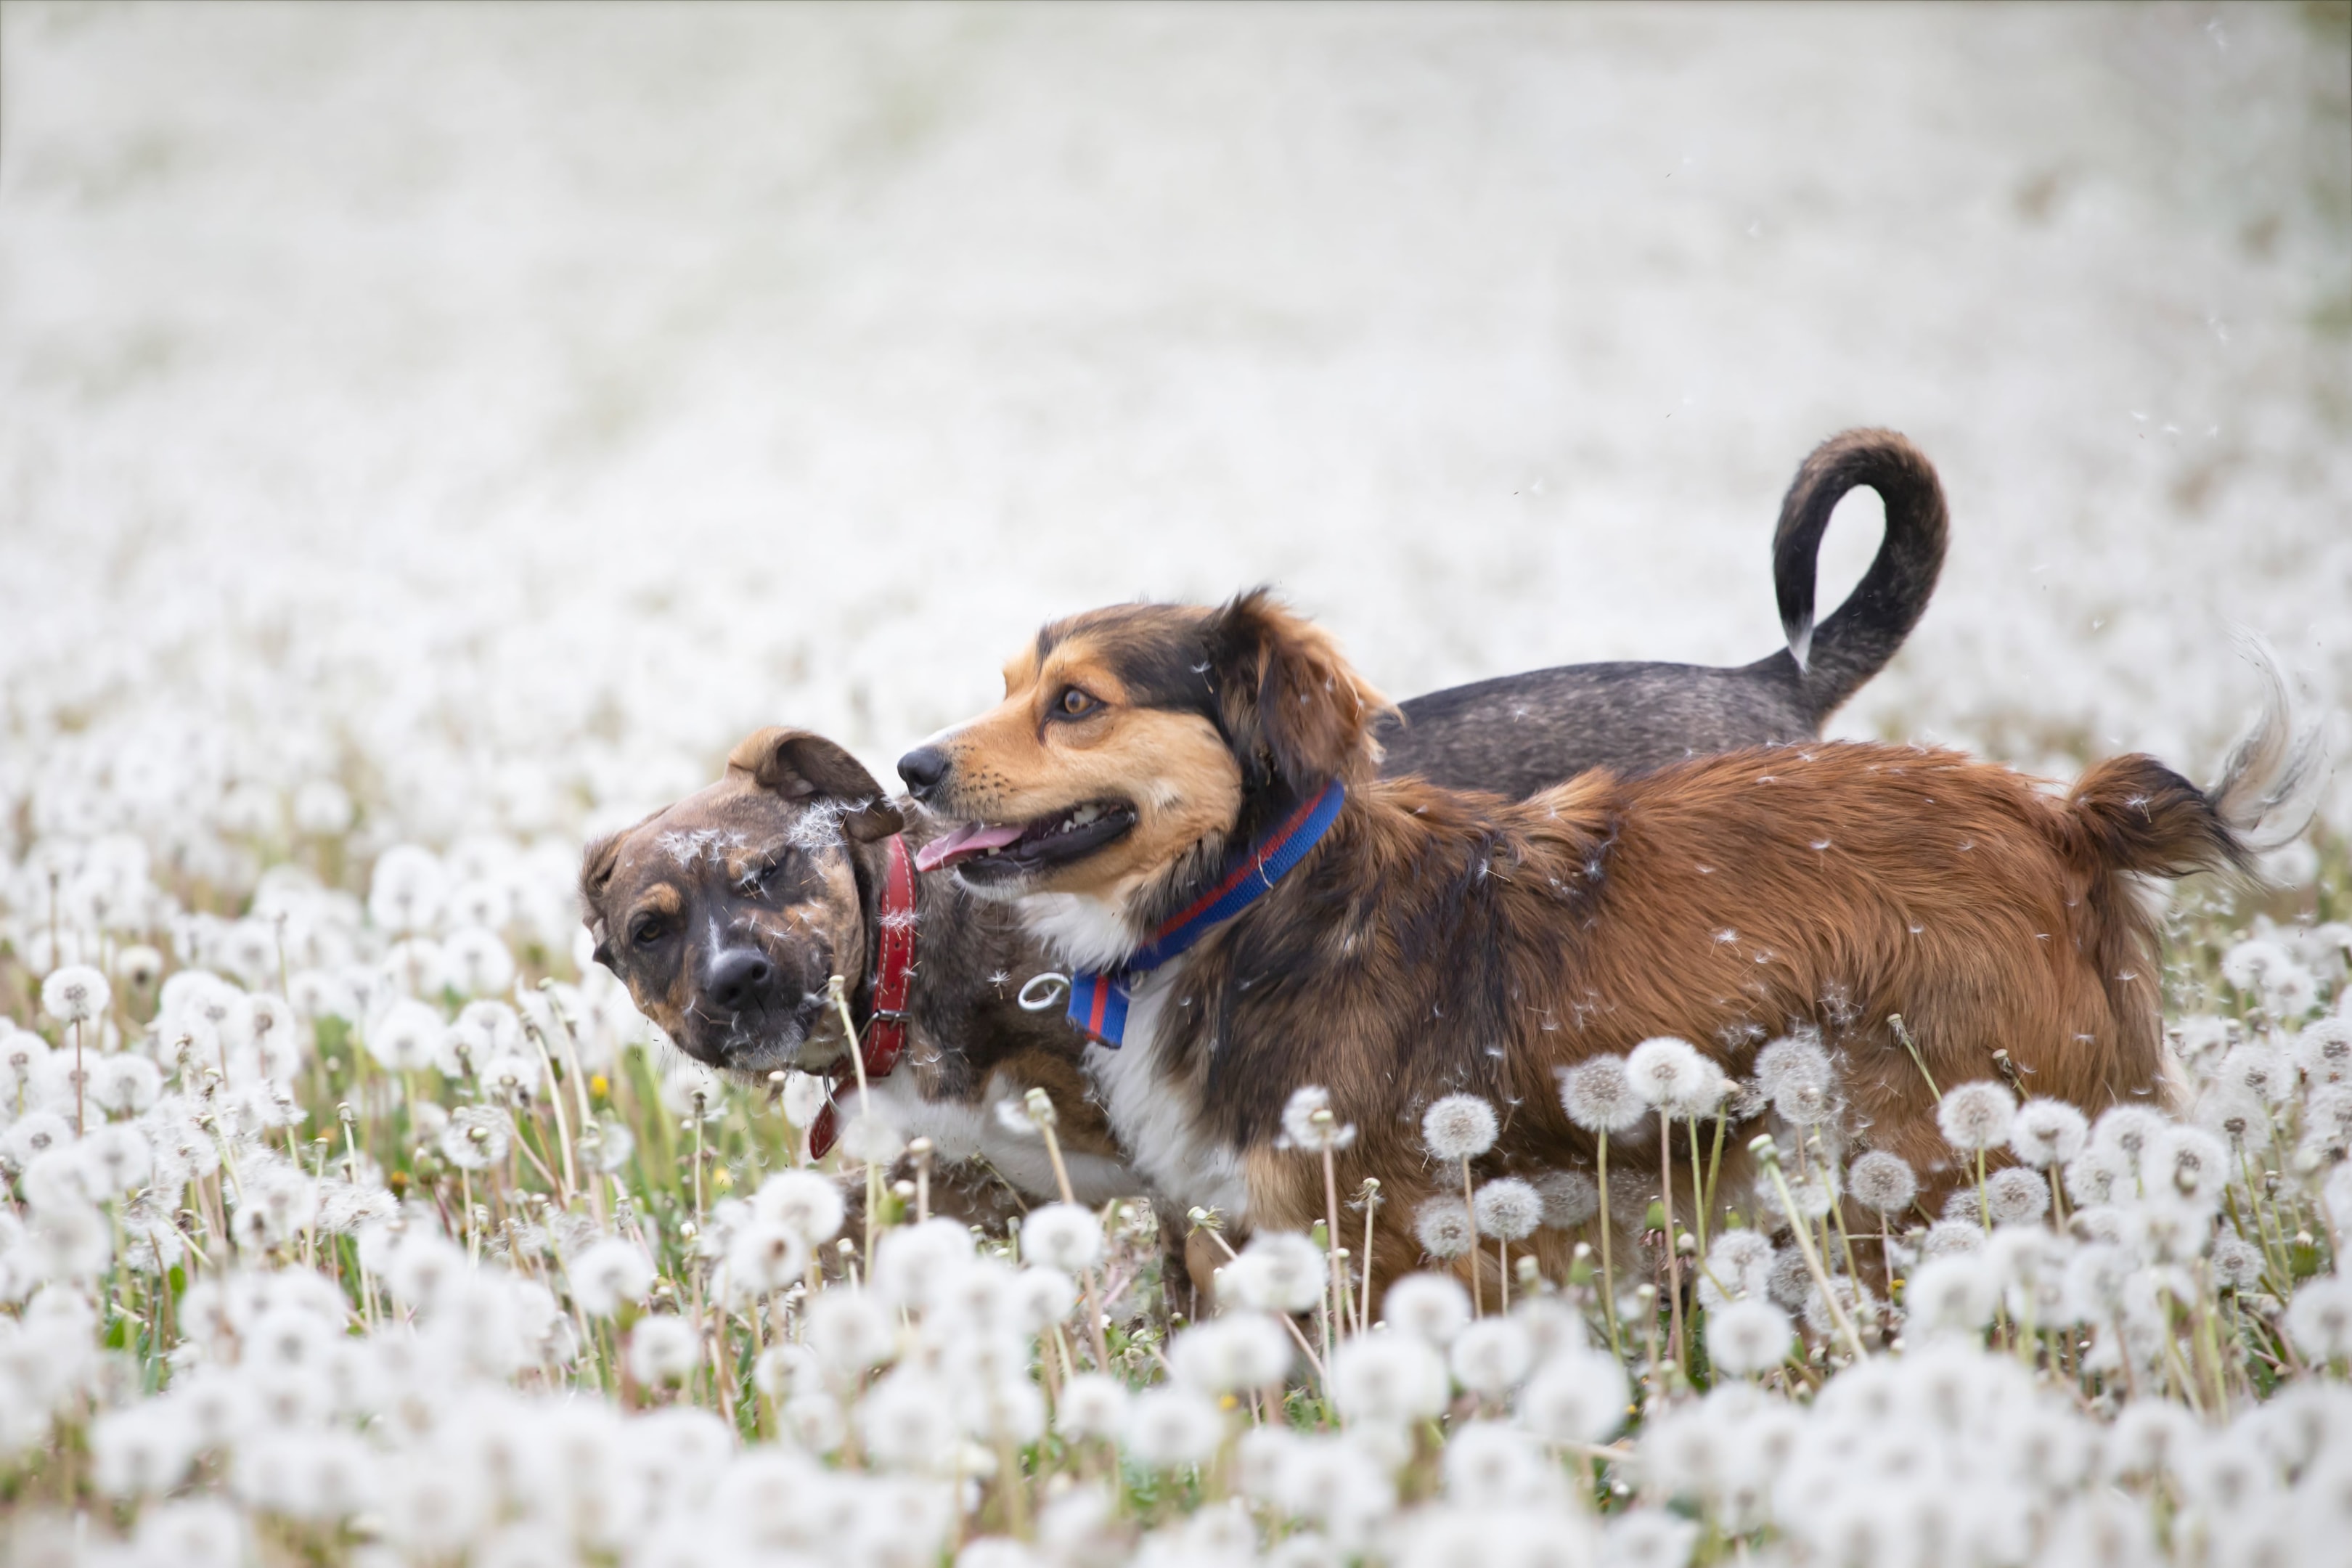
(726, 914)
(1132, 746)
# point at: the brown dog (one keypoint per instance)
(726, 912)
(1433, 941)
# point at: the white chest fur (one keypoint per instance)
(1157, 1120)
(967, 1131)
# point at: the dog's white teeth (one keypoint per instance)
(1083, 815)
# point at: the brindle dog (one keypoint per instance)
(727, 912)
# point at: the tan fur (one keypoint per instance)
(1022, 762)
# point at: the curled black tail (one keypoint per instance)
(1835, 658)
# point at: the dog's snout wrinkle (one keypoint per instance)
(923, 769)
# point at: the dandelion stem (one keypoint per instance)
(1674, 1253)
(1331, 1250)
(1903, 1033)
(1608, 1274)
(1699, 1192)
(1477, 1302)
(1764, 1148)
(563, 1124)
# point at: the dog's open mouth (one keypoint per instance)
(984, 850)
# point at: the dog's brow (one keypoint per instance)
(661, 899)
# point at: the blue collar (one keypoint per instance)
(1098, 1001)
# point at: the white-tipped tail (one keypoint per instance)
(2270, 783)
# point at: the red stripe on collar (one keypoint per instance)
(884, 1040)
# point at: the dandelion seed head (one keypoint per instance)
(1062, 1236)
(2048, 1132)
(1304, 1127)
(1443, 1227)
(1434, 1308)
(1976, 1116)
(1492, 1356)
(1570, 1198)
(1599, 1096)
(76, 993)
(1277, 1272)
(1232, 1354)
(1744, 1338)
(2016, 1197)
(1385, 1378)
(1458, 1127)
(1507, 1208)
(1882, 1182)
(1668, 1074)
(1093, 1408)
(1577, 1398)
(1170, 1428)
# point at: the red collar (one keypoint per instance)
(884, 1040)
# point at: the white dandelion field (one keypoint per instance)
(434, 435)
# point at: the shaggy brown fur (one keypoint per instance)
(1439, 941)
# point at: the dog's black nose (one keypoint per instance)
(739, 978)
(923, 768)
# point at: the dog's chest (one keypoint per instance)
(962, 1130)
(1155, 1113)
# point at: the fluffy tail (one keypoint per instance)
(1835, 658)
(2132, 816)
(2138, 815)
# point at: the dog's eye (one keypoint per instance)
(647, 931)
(1074, 703)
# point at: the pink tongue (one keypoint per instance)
(964, 843)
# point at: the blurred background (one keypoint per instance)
(496, 409)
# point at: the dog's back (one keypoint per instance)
(1518, 733)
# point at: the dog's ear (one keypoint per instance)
(597, 863)
(1292, 705)
(798, 765)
